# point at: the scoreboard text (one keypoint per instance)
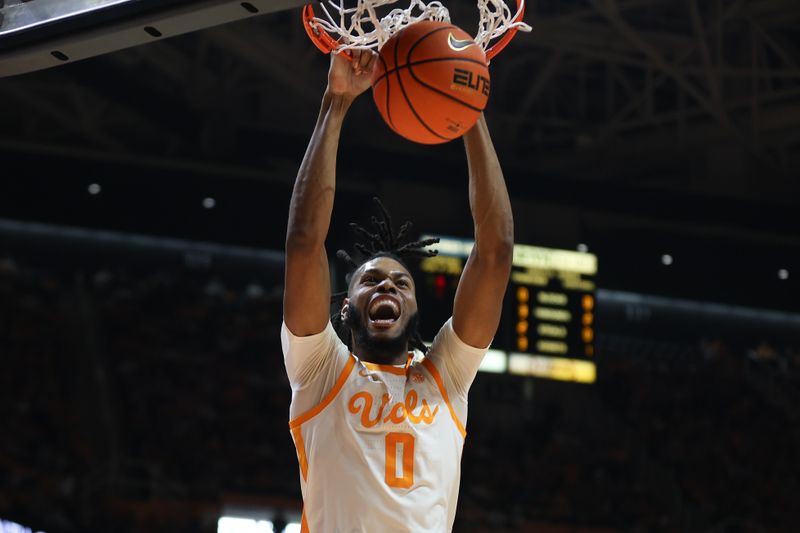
(548, 320)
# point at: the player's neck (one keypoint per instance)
(375, 355)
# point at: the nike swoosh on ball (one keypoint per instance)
(458, 44)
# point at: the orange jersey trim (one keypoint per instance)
(385, 368)
(308, 415)
(297, 433)
(428, 364)
(391, 369)
(304, 523)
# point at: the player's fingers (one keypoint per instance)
(356, 60)
(371, 61)
(365, 58)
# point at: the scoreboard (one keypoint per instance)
(547, 327)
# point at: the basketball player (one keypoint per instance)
(379, 434)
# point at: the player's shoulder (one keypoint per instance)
(446, 338)
(325, 345)
(447, 344)
(326, 336)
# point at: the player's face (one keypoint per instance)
(382, 302)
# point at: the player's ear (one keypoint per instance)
(345, 311)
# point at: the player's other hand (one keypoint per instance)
(351, 78)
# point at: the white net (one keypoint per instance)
(361, 26)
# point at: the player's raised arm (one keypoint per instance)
(479, 297)
(307, 292)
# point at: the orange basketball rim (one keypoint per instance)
(361, 28)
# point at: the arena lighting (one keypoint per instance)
(783, 274)
(7, 526)
(236, 524)
(233, 524)
(494, 362)
(209, 203)
(583, 248)
(666, 259)
(94, 189)
(556, 368)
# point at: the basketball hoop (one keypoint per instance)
(360, 26)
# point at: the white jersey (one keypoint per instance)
(379, 446)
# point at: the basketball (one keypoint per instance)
(431, 82)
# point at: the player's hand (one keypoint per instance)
(351, 78)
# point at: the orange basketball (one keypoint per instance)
(431, 82)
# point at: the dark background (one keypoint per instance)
(142, 379)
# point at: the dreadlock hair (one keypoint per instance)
(382, 243)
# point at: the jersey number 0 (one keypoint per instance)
(399, 460)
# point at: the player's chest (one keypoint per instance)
(377, 401)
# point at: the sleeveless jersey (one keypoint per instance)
(381, 450)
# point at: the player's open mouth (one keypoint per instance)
(384, 311)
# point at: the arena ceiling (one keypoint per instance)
(609, 101)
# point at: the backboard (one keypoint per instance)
(39, 34)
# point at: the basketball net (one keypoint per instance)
(360, 26)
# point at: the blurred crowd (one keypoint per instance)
(142, 401)
(703, 439)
